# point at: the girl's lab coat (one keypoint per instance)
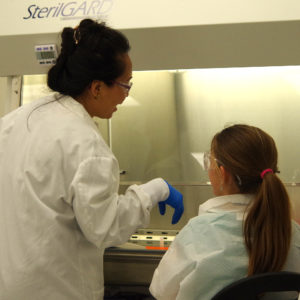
(59, 203)
(209, 252)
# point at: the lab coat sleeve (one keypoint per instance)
(177, 263)
(105, 217)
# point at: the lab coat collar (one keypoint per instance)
(239, 201)
(78, 109)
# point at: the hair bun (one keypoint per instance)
(90, 51)
(68, 44)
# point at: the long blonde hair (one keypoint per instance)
(246, 151)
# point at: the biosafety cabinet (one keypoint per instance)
(195, 71)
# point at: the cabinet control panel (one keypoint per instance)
(46, 54)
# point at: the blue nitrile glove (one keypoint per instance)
(175, 200)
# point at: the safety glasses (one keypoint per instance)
(207, 165)
(207, 161)
(124, 85)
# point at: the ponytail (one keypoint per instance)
(267, 228)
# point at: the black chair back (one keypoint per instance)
(250, 288)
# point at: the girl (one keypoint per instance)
(246, 229)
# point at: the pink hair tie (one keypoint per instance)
(263, 173)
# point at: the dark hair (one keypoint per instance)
(91, 51)
(246, 151)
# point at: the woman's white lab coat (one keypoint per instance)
(59, 203)
(209, 252)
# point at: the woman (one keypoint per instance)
(60, 206)
(245, 230)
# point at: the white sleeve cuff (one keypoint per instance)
(157, 189)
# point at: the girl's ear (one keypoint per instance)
(224, 174)
(228, 181)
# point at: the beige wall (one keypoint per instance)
(15, 19)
